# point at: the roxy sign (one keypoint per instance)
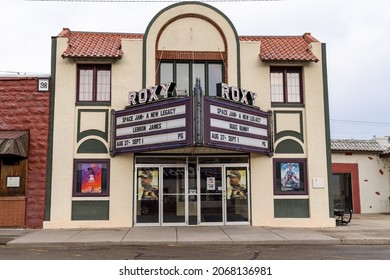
(151, 94)
(236, 94)
(164, 91)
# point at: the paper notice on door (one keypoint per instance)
(210, 183)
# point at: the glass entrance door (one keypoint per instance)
(211, 195)
(237, 194)
(193, 193)
(147, 198)
(174, 200)
(161, 195)
(223, 194)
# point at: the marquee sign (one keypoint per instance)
(158, 126)
(161, 121)
(231, 126)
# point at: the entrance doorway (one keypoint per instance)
(191, 191)
(342, 189)
(161, 194)
(345, 182)
(173, 206)
(224, 194)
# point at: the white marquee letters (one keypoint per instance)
(236, 94)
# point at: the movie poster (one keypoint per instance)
(289, 173)
(91, 181)
(236, 183)
(148, 184)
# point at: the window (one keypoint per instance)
(184, 74)
(94, 83)
(214, 77)
(290, 176)
(286, 85)
(91, 177)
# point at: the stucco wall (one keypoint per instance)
(374, 180)
(303, 125)
(186, 15)
(126, 76)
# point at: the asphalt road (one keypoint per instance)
(200, 252)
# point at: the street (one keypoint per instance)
(199, 252)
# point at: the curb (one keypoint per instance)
(10, 242)
(169, 243)
(365, 242)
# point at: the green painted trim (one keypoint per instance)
(289, 146)
(291, 208)
(291, 133)
(144, 58)
(90, 210)
(298, 135)
(92, 132)
(286, 105)
(92, 146)
(49, 165)
(88, 103)
(327, 127)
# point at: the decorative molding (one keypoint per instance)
(295, 134)
(92, 146)
(92, 131)
(289, 146)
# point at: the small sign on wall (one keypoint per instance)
(318, 183)
(43, 84)
(210, 183)
(13, 182)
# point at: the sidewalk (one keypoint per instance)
(363, 229)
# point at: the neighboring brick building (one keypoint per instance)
(24, 128)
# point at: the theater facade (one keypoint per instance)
(188, 124)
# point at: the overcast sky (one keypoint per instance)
(356, 33)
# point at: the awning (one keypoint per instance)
(14, 143)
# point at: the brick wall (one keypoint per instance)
(12, 211)
(24, 108)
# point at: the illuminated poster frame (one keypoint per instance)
(157, 126)
(290, 176)
(91, 177)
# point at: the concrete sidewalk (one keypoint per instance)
(363, 229)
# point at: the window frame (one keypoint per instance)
(95, 68)
(277, 174)
(285, 70)
(105, 177)
(206, 63)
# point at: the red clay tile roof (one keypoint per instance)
(108, 45)
(94, 45)
(284, 48)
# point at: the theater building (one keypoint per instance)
(188, 124)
